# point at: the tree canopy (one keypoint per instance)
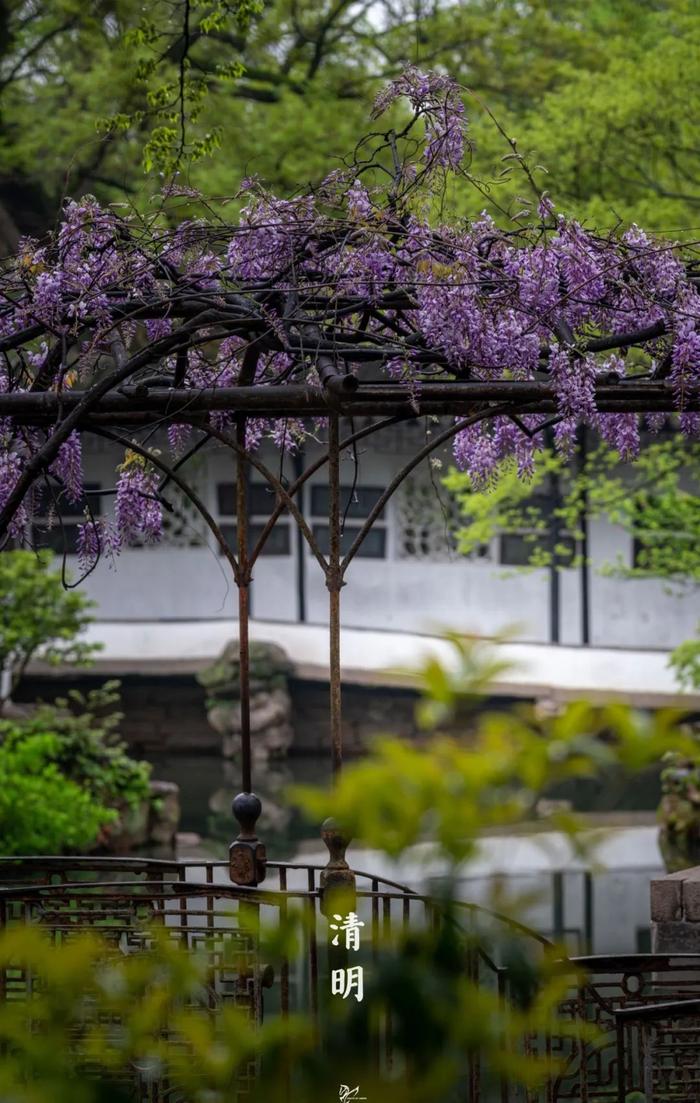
(619, 138)
(601, 94)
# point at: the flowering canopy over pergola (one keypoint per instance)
(348, 298)
(353, 299)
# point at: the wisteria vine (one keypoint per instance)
(343, 298)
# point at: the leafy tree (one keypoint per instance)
(89, 94)
(618, 139)
(38, 617)
(336, 54)
(88, 91)
(653, 499)
(686, 663)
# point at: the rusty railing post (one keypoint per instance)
(334, 584)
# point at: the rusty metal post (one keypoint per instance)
(337, 881)
(247, 857)
(334, 583)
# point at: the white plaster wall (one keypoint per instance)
(422, 597)
(163, 584)
(168, 583)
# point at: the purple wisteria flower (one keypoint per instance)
(98, 538)
(685, 360)
(476, 452)
(689, 424)
(574, 377)
(137, 511)
(68, 467)
(10, 470)
(179, 436)
(438, 99)
(655, 422)
(621, 432)
(359, 202)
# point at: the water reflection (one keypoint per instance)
(208, 784)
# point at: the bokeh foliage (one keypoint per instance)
(142, 1009)
(491, 773)
(39, 618)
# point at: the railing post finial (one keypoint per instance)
(247, 857)
(337, 881)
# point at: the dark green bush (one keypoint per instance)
(65, 774)
(41, 810)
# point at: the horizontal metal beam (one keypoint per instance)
(137, 402)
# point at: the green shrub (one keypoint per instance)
(89, 750)
(65, 774)
(41, 810)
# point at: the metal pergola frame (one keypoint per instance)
(337, 346)
(113, 414)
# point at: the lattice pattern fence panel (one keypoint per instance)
(199, 918)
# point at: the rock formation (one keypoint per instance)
(679, 813)
(270, 703)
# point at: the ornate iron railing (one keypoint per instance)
(625, 998)
(670, 1049)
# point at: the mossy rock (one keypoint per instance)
(215, 674)
(269, 669)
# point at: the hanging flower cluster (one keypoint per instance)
(349, 275)
(137, 510)
(437, 99)
(68, 468)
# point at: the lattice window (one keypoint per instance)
(261, 502)
(427, 520)
(183, 527)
